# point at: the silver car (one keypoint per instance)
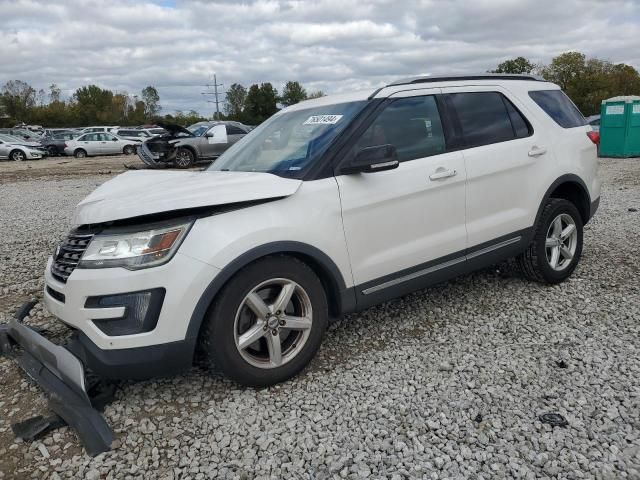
(17, 151)
(91, 144)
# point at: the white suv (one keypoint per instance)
(329, 207)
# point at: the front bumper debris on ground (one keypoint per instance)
(74, 397)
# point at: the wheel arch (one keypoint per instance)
(13, 150)
(78, 149)
(340, 298)
(191, 148)
(572, 188)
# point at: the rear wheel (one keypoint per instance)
(52, 151)
(556, 248)
(184, 158)
(80, 153)
(128, 150)
(17, 156)
(267, 323)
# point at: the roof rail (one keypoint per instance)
(481, 76)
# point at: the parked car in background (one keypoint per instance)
(21, 133)
(594, 121)
(48, 132)
(55, 143)
(183, 147)
(22, 141)
(13, 148)
(91, 144)
(133, 133)
(99, 129)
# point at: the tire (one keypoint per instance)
(128, 150)
(230, 316)
(80, 153)
(185, 158)
(17, 155)
(552, 257)
(52, 151)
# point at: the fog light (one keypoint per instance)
(141, 311)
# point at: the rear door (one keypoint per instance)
(90, 143)
(502, 157)
(401, 224)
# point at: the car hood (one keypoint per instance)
(145, 192)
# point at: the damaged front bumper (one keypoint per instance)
(62, 376)
(155, 159)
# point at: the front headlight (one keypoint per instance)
(136, 250)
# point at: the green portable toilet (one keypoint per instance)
(620, 127)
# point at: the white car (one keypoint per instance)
(13, 148)
(91, 144)
(330, 206)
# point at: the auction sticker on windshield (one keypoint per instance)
(323, 120)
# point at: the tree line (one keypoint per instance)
(92, 105)
(587, 81)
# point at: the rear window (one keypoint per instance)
(558, 106)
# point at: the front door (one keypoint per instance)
(403, 224)
(216, 141)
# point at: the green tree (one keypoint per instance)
(55, 93)
(92, 104)
(235, 100)
(261, 103)
(293, 93)
(316, 94)
(518, 65)
(151, 100)
(18, 100)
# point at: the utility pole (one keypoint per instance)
(215, 86)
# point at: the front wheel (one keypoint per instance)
(129, 150)
(267, 323)
(556, 247)
(18, 156)
(184, 158)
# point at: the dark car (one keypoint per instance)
(55, 144)
(183, 147)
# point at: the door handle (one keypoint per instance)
(537, 151)
(442, 173)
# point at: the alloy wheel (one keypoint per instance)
(561, 242)
(18, 156)
(273, 323)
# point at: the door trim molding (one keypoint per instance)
(488, 252)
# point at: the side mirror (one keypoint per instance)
(373, 159)
(115, 139)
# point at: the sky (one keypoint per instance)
(329, 45)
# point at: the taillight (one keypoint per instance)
(594, 137)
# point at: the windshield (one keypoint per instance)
(289, 142)
(11, 138)
(198, 130)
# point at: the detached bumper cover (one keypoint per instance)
(61, 375)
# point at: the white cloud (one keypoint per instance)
(333, 45)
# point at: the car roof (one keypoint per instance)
(511, 81)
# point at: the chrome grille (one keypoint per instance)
(68, 255)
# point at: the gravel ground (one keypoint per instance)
(444, 383)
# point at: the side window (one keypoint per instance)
(411, 124)
(484, 118)
(233, 130)
(89, 137)
(521, 128)
(107, 137)
(558, 106)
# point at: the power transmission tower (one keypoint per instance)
(215, 86)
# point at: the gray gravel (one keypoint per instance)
(444, 383)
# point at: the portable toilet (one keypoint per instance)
(620, 127)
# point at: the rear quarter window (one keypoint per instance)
(558, 106)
